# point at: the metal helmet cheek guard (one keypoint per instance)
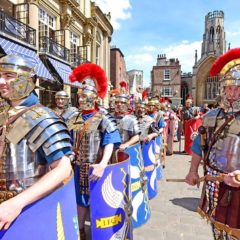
(23, 84)
(228, 67)
(94, 84)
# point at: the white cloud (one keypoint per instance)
(120, 10)
(149, 48)
(185, 52)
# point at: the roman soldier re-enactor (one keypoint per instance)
(96, 134)
(62, 108)
(61, 102)
(147, 124)
(127, 123)
(34, 143)
(218, 144)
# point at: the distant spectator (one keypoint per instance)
(205, 108)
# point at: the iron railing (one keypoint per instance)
(17, 29)
(47, 45)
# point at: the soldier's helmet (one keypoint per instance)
(94, 84)
(61, 94)
(227, 67)
(24, 83)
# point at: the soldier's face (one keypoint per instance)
(86, 101)
(121, 107)
(61, 102)
(231, 97)
(152, 108)
(140, 111)
(5, 84)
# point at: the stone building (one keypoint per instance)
(56, 35)
(166, 78)
(118, 70)
(204, 87)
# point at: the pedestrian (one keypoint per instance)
(218, 145)
(34, 143)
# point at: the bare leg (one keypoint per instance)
(82, 214)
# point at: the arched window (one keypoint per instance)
(211, 34)
(211, 88)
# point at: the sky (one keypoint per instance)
(145, 28)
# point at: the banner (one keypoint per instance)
(52, 217)
(190, 132)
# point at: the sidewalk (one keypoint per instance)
(174, 214)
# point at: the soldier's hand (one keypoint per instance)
(123, 146)
(192, 179)
(233, 179)
(9, 210)
(97, 172)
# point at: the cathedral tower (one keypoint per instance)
(214, 36)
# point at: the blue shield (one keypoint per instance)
(140, 200)
(110, 203)
(158, 145)
(52, 217)
(148, 152)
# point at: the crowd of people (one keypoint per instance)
(66, 141)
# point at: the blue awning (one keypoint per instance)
(63, 71)
(14, 48)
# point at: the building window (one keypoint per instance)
(98, 48)
(167, 92)
(211, 88)
(21, 13)
(166, 74)
(47, 24)
(74, 44)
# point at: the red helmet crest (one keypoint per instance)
(91, 71)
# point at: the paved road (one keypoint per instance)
(174, 214)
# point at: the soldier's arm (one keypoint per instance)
(131, 141)
(9, 210)
(192, 176)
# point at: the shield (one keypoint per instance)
(190, 132)
(110, 202)
(140, 200)
(158, 145)
(52, 217)
(148, 152)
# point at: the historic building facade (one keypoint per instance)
(118, 70)
(57, 36)
(204, 87)
(166, 78)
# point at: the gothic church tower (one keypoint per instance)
(205, 88)
(214, 36)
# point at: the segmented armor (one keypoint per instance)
(87, 140)
(225, 153)
(20, 162)
(128, 126)
(220, 201)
